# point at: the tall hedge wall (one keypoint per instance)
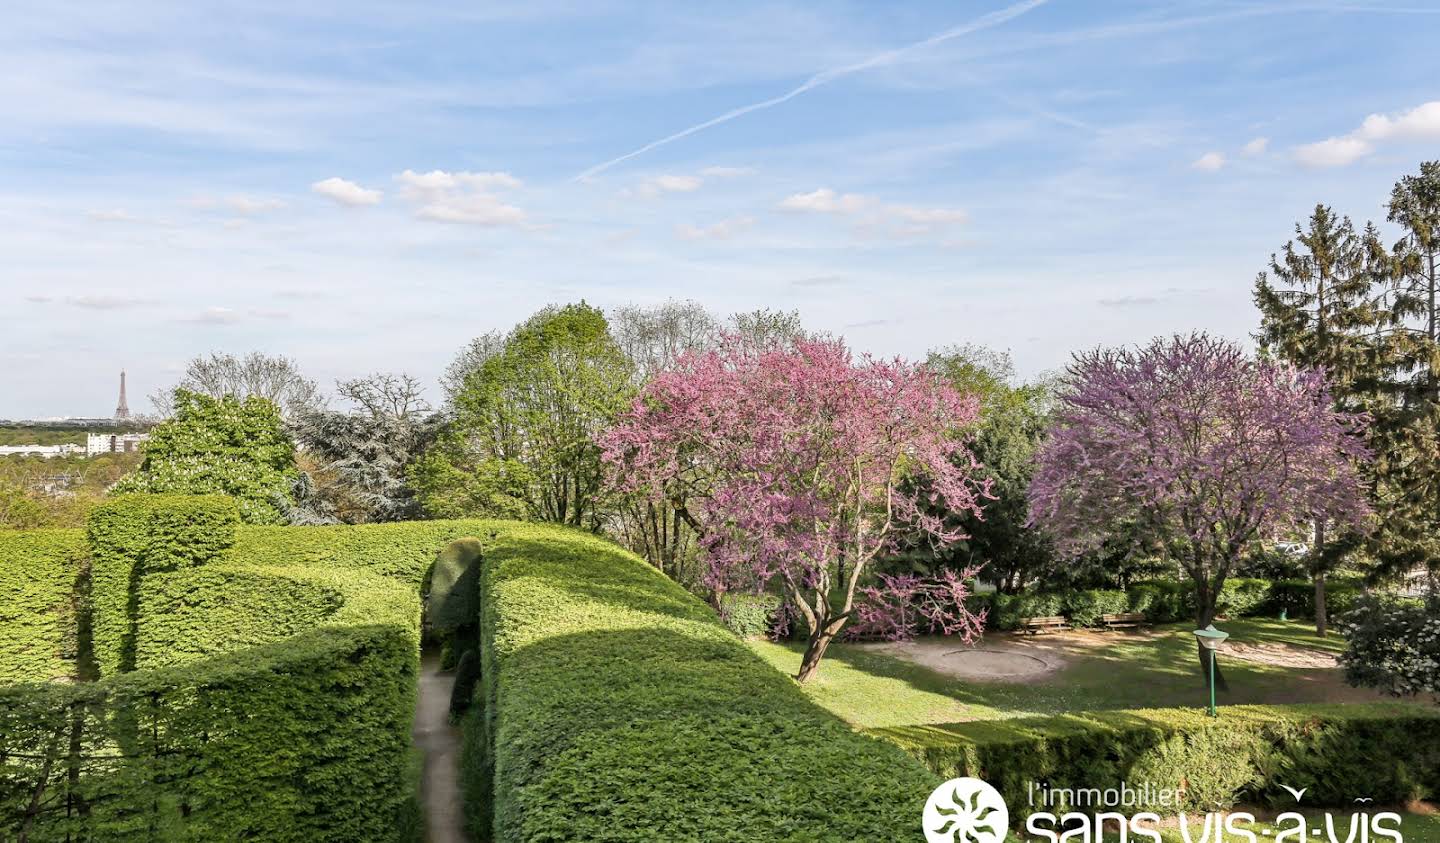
(616, 707)
(133, 540)
(270, 701)
(301, 740)
(1385, 751)
(38, 572)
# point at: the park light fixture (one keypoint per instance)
(1211, 638)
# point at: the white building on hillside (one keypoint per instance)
(39, 450)
(113, 443)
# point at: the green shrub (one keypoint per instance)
(1245, 754)
(455, 585)
(1010, 609)
(629, 712)
(1242, 597)
(1163, 601)
(1297, 598)
(1084, 608)
(1393, 645)
(134, 536)
(749, 615)
(38, 572)
(226, 446)
(467, 675)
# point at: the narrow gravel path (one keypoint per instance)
(440, 741)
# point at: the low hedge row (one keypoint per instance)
(38, 572)
(403, 551)
(614, 706)
(1384, 751)
(1165, 601)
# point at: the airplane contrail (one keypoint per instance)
(827, 76)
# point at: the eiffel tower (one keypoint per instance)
(122, 410)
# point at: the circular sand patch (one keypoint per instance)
(1278, 655)
(1003, 661)
(996, 663)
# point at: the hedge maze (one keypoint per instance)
(170, 673)
(214, 682)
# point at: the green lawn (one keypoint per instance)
(1103, 671)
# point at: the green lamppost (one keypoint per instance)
(1211, 638)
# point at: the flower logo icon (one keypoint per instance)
(965, 810)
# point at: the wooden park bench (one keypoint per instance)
(1125, 620)
(1036, 626)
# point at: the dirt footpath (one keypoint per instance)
(440, 742)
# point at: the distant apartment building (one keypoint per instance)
(39, 450)
(113, 443)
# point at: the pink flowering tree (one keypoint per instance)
(800, 466)
(1202, 449)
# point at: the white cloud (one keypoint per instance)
(105, 302)
(726, 172)
(1421, 123)
(662, 184)
(722, 230)
(1255, 147)
(1209, 162)
(346, 192)
(888, 218)
(214, 316)
(440, 180)
(239, 204)
(827, 201)
(112, 215)
(927, 216)
(682, 183)
(461, 197)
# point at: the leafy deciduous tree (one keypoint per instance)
(1203, 449)
(528, 416)
(799, 466)
(275, 378)
(221, 445)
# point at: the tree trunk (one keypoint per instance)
(814, 651)
(1321, 619)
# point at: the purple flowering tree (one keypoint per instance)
(799, 466)
(1204, 450)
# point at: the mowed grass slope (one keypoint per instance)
(1103, 670)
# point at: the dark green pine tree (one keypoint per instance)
(1319, 308)
(1409, 455)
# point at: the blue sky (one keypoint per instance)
(366, 186)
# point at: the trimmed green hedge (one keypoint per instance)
(134, 538)
(271, 701)
(38, 572)
(1386, 751)
(614, 706)
(455, 586)
(403, 551)
(1165, 601)
(301, 740)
